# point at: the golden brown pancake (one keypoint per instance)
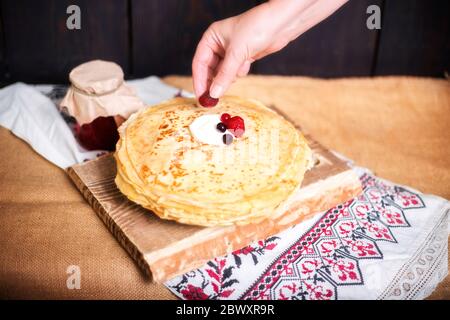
(163, 167)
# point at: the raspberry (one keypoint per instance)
(225, 117)
(207, 101)
(236, 126)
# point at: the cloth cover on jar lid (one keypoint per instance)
(98, 90)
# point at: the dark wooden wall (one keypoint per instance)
(159, 37)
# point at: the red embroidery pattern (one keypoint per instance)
(323, 259)
(326, 257)
(214, 280)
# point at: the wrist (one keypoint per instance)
(301, 15)
(290, 16)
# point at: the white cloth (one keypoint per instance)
(32, 116)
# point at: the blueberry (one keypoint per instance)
(227, 139)
(221, 127)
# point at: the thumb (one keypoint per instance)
(227, 72)
(244, 68)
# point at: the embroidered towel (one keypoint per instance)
(389, 243)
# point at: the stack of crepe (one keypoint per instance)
(162, 167)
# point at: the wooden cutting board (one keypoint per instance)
(164, 249)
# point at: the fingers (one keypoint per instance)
(204, 64)
(244, 69)
(216, 64)
(227, 71)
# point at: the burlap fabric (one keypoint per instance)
(398, 127)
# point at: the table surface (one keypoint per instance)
(395, 126)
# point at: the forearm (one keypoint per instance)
(229, 46)
(297, 16)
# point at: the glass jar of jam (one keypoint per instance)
(100, 101)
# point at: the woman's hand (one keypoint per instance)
(228, 47)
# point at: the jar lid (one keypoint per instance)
(98, 90)
(97, 77)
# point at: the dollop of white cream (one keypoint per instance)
(204, 129)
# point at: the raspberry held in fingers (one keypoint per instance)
(207, 101)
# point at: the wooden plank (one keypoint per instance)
(338, 47)
(414, 38)
(166, 32)
(164, 249)
(3, 68)
(40, 48)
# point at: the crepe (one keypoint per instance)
(162, 167)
